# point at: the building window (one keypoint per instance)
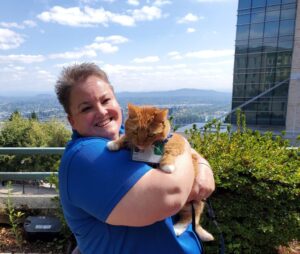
(272, 15)
(242, 32)
(287, 27)
(257, 17)
(287, 1)
(288, 14)
(270, 44)
(245, 4)
(255, 45)
(241, 61)
(241, 46)
(271, 29)
(270, 2)
(258, 3)
(254, 61)
(243, 19)
(256, 31)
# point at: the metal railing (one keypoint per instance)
(25, 176)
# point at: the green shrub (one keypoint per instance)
(23, 132)
(257, 197)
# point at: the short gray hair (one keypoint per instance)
(72, 76)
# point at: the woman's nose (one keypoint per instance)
(100, 109)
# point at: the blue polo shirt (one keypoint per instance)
(92, 180)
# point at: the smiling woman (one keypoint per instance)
(111, 203)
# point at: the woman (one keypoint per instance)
(112, 204)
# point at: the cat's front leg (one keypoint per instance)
(117, 144)
(167, 163)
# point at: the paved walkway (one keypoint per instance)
(34, 197)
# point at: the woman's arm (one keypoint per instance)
(156, 195)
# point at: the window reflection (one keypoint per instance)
(245, 4)
(242, 32)
(288, 14)
(256, 31)
(255, 45)
(272, 2)
(257, 17)
(258, 3)
(270, 44)
(272, 15)
(286, 27)
(243, 19)
(285, 43)
(271, 29)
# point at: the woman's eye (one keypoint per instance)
(85, 109)
(106, 101)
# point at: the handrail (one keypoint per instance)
(23, 176)
(32, 150)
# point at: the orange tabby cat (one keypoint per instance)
(146, 125)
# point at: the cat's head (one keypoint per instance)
(146, 124)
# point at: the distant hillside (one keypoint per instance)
(187, 105)
(180, 96)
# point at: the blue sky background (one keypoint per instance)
(143, 45)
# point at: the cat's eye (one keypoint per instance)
(151, 135)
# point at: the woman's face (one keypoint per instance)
(94, 110)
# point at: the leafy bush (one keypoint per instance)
(23, 132)
(258, 185)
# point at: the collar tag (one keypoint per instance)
(152, 154)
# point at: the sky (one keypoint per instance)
(143, 45)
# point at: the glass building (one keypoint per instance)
(264, 51)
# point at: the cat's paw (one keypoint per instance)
(179, 228)
(168, 168)
(203, 234)
(112, 146)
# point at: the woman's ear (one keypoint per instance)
(71, 121)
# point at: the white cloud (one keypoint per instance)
(148, 59)
(29, 23)
(188, 18)
(74, 16)
(190, 30)
(147, 13)
(9, 39)
(133, 2)
(23, 25)
(204, 54)
(161, 2)
(175, 55)
(27, 59)
(106, 44)
(104, 47)
(74, 54)
(87, 16)
(115, 39)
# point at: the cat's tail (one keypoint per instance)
(203, 234)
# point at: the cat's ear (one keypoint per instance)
(161, 115)
(132, 110)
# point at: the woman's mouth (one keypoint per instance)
(104, 123)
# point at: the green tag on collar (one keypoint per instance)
(159, 148)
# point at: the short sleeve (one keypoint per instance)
(99, 178)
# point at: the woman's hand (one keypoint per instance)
(204, 183)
